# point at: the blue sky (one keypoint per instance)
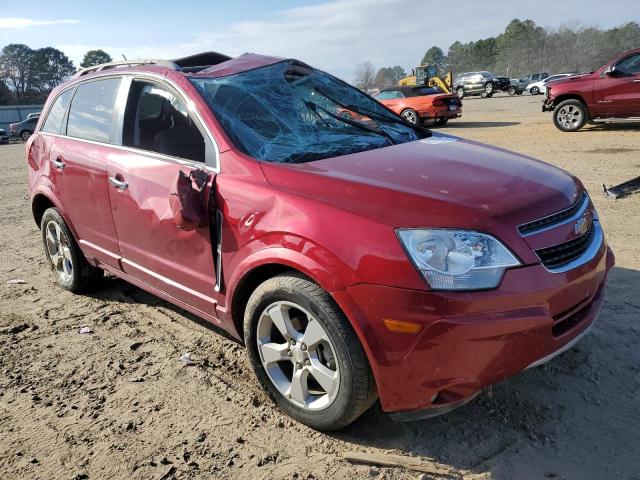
(333, 35)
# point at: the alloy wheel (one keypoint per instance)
(570, 117)
(59, 251)
(25, 135)
(298, 355)
(410, 116)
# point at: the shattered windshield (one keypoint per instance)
(290, 113)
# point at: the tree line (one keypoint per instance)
(28, 75)
(524, 47)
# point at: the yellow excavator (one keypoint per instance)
(428, 75)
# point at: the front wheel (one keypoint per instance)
(460, 92)
(305, 353)
(512, 90)
(67, 261)
(570, 115)
(410, 115)
(535, 90)
(489, 88)
(25, 134)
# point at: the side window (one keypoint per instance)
(630, 64)
(91, 113)
(386, 95)
(535, 77)
(53, 123)
(158, 121)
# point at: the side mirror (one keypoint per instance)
(611, 71)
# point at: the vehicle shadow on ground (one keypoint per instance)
(457, 124)
(611, 127)
(114, 289)
(539, 418)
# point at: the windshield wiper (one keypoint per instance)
(371, 114)
(314, 107)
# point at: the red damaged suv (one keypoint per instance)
(356, 259)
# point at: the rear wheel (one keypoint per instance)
(535, 90)
(460, 92)
(67, 261)
(305, 353)
(512, 90)
(570, 115)
(410, 115)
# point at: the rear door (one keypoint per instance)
(160, 138)
(619, 94)
(77, 147)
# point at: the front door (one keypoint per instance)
(619, 94)
(162, 139)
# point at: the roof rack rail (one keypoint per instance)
(192, 63)
(125, 63)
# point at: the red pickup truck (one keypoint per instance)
(612, 91)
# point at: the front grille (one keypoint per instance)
(564, 253)
(553, 219)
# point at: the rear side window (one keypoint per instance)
(91, 113)
(53, 124)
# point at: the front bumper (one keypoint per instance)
(470, 340)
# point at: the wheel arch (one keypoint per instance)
(572, 96)
(268, 263)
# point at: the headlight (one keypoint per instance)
(457, 259)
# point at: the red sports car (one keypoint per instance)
(419, 103)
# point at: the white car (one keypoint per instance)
(536, 88)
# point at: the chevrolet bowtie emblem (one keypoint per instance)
(582, 225)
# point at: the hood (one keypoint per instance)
(440, 181)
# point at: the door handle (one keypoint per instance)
(119, 184)
(58, 163)
(637, 80)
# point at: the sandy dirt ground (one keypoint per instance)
(119, 404)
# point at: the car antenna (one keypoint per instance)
(125, 58)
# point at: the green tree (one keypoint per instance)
(49, 67)
(95, 57)
(387, 76)
(434, 56)
(15, 67)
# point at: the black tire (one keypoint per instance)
(519, 92)
(489, 88)
(83, 276)
(356, 391)
(535, 90)
(25, 134)
(570, 115)
(411, 116)
(460, 92)
(484, 94)
(512, 90)
(440, 121)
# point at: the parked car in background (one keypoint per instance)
(482, 83)
(355, 260)
(521, 84)
(23, 129)
(4, 136)
(540, 87)
(612, 91)
(417, 104)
